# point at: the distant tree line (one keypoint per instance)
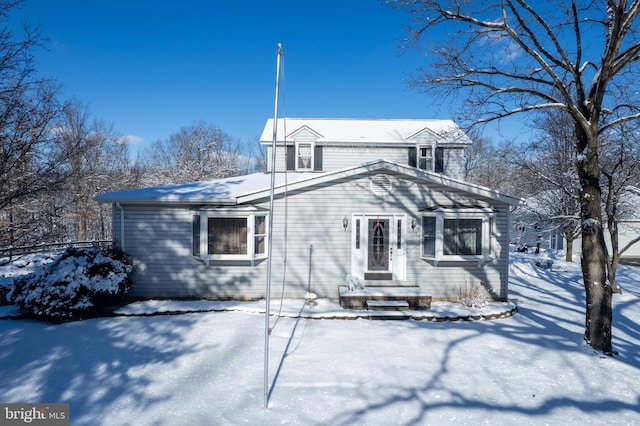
(542, 170)
(55, 157)
(579, 59)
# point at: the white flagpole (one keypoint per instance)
(267, 330)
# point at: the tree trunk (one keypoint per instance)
(611, 208)
(569, 251)
(613, 269)
(598, 291)
(598, 320)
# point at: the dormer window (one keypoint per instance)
(425, 157)
(304, 156)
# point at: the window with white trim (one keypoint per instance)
(457, 234)
(229, 234)
(425, 157)
(260, 236)
(304, 156)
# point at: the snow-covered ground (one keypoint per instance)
(207, 368)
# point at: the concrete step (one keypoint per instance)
(387, 305)
(413, 295)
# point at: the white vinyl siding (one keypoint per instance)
(340, 157)
(453, 162)
(318, 248)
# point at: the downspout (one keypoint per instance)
(119, 206)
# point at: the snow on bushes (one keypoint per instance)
(78, 284)
(472, 296)
(10, 269)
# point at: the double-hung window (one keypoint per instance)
(304, 156)
(229, 234)
(457, 235)
(425, 157)
(428, 157)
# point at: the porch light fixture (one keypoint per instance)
(414, 223)
(345, 222)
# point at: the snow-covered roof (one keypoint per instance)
(352, 130)
(220, 191)
(248, 188)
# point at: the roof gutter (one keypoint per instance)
(166, 202)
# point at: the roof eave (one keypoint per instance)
(389, 165)
(165, 201)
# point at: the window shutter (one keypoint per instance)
(413, 154)
(317, 158)
(196, 235)
(291, 157)
(439, 166)
(429, 236)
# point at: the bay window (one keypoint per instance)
(462, 237)
(229, 234)
(457, 235)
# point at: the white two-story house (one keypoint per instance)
(379, 200)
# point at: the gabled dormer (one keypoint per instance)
(302, 152)
(320, 145)
(441, 152)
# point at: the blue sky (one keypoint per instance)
(150, 68)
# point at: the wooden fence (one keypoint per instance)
(12, 252)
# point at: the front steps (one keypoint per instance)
(388, 298)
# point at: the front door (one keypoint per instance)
(379, 249)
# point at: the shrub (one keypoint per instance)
(472, 296)
(81, 283)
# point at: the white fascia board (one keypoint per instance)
(364, 142)
(291, 135)
(174, 201)
(308, 179)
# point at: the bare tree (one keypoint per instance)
(98, 161)
(488, 164)
(198, 152)
(29, 109)
(515, 56)
(621, 175)
(552, 181)
(53, 156)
